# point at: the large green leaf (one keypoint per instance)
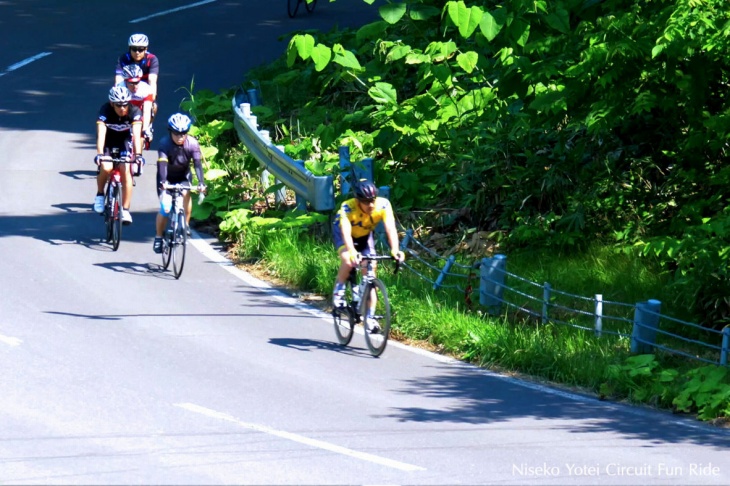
(423, 12)
(372, 31)
(345, 58)
(398, 52)
(383, 93)
(491, 23)
(321, 55)
(467, 61)
(305, 45)
(393, 12)
(559, 20)
(465, 18)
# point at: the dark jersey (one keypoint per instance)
(149, 64)
(118, 128)
(173, 161)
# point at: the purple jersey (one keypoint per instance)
(173, 161)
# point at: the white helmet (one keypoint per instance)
(138, 40)
(119, 94)
(132, 72)
(179, 123)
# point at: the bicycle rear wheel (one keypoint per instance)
(116, 213)
(376, 326)
(178, 248)
(310, 6)
(292, 6)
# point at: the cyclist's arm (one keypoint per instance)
(391, 232)
(146, 114)
(137, 136)
(346, 230)
(152, 79)
(162, 167)
(100, 136)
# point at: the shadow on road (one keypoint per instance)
(484, 398)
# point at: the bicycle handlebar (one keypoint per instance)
(185, 186)
(117, 160)
(382, 257)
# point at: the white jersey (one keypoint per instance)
(141, 94)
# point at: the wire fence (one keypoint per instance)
(497, 289)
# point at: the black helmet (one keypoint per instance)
(366, 190)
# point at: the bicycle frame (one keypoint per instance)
(113, 195)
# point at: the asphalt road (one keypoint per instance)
(112, 372)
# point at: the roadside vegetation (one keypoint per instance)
(586, 138)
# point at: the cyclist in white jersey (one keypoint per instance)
(142, 97)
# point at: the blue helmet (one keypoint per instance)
(179, 123)
(365, 190)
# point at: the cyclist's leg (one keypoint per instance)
(127, 182)
(188, 201)
(368, 249)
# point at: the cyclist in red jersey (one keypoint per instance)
(138, 54)
(118, 125)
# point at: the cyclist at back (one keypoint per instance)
(119, 125)
(141, 97)
(353, 233)
(175, 153)
(148, 62)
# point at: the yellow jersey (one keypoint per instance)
(363, 224)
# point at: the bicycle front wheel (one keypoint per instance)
(167, 244)
(116, 213)
(344, 325)
(178, 248)
(292, 6)
(376, 321)
(310, 6)
(108, 214)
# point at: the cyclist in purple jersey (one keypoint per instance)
(175, 154)
(119, 125)
(148, 62)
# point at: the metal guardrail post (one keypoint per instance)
(491, 286)
(646, 322)
(317, 190)
(363, 170)
(301, 201)
(406, 239)
(598, 312)
(725, 350)
(546, 291)
(444, 271)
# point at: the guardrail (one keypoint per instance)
(584, 313)
(318, 190)
(642, 323)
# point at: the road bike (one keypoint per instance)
(364, 293)
(293, 5)
(113, 197)
(174, 240)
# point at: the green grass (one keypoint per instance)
(513, 341)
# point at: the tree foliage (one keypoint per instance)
(559, 122)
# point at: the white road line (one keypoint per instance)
(10, 341)
(301, 439)
(22, 63)
(215, 256)
(172, 10)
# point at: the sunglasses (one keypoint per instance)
(132, 82)
(179, 134)
(121, 105)
(367, 201)
(138, 49)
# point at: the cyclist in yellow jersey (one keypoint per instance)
(353, 232)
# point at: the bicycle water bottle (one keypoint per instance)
(356, 294)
